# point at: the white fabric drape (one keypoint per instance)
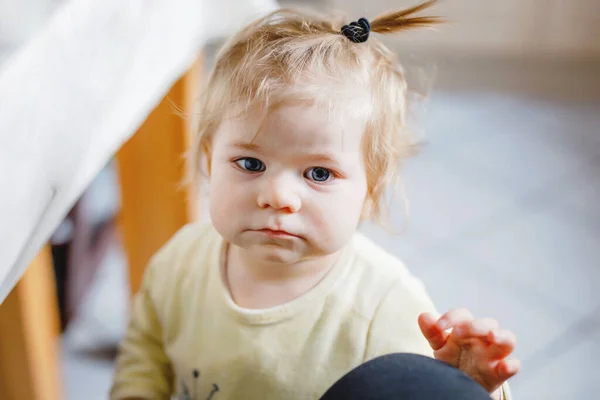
(77, 90)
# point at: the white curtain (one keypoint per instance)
(75, 91)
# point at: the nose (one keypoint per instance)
(278, 192)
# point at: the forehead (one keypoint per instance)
(294, 126)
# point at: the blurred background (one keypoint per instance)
(504, 198)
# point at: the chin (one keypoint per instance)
(276, 254)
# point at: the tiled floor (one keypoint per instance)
(504, 220)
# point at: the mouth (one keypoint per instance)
(277, 233)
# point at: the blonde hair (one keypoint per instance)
(299, 56)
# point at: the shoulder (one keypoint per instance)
(179, 272)
(380, 261)
(390, 297)
(377, 278)
(188, 241)
(187, 253)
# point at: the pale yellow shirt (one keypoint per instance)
(188, 338)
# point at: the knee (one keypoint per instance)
(411, 361)
(408, 376)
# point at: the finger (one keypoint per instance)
(477, 328)
(434, 335)
(454, 317)
(503, 343)
(506, 369)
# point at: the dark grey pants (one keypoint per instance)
(406, 377)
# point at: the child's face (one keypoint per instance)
(294, 191)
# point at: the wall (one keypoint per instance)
(546, 28)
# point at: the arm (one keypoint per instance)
(143, 370)
(394, 327)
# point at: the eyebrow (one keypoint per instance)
(327, 157)
(246, 146)
(324, 157)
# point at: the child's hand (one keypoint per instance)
(478, 347)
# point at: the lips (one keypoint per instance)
(276, 232)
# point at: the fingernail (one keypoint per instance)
(443, 324)
(496, 336)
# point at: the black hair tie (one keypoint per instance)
(357, 31)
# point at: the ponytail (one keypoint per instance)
(390, 22)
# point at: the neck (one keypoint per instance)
(256, 283)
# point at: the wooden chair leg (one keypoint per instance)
(29, 332)
(152, 167)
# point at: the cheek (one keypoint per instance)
(225, 196)
(337, 215)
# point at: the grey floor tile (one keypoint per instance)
(518, 145)
(459, 119)
(580, 195)
(525, 146)
(103, 314)
(454, 281)
(571, 375)
(89, 342)
(86, 376)
(552, 253)
(484, 152)
(519, 160)
(446, 198)
(399, 238)
(455, 118)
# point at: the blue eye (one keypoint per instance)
(318, 174)
(250, 164)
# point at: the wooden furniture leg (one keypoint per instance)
(29, 333)
(152, 167)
